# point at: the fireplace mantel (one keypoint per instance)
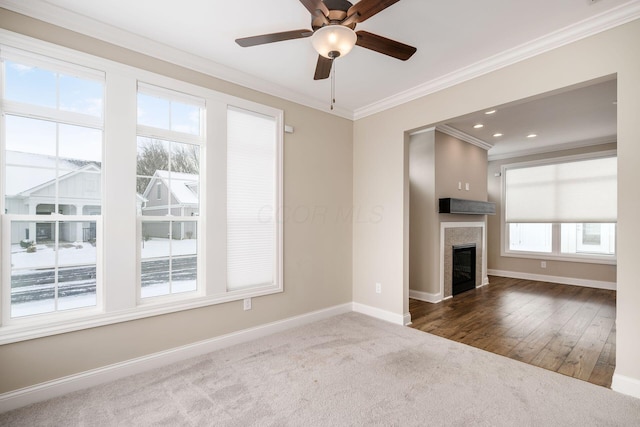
(467, 207)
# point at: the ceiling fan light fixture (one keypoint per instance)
(333, 41)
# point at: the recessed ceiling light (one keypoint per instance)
(531, 135)
(490, 112)
(497, 135)
(478, 126)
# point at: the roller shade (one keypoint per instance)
(251, 199)
(583, 191)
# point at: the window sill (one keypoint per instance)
(31, 328)
(589, 259)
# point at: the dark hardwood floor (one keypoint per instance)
(562, 328)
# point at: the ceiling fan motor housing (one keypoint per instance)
(337, 13)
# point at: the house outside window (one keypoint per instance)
(52, 125)
(170, 136)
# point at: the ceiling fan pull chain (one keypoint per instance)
(333, 84)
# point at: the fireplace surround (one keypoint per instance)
(456, 234)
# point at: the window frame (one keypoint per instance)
(173, 137)
(555, 254)
(119, 217)
(58, 117)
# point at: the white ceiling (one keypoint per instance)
(456, 40)
(572, 117)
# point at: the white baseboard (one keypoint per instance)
(407, 319)
(47, 390)
(554, 279)
(626, 385)
(378, 313)
(425, 296)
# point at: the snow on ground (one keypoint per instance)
(156, 247)
(44, 256)
(84, 253)
(79, 253)
(30, 308)
(158, 289)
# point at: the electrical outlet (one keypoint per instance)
(247, 304)
(543, 264)
(466, 186)
(378, 288)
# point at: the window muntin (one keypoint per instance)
(173, 168)
(57, 271)
(168, 182)
(52, 161)
(168, 265)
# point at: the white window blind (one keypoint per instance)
(251, 199)
(582, 191)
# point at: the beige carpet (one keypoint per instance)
(346, 370)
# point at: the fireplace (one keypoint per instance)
(461, 234)
(463, 269)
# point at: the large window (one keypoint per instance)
(170, 136)
(52, 160)
(127, 194)
(562, 209)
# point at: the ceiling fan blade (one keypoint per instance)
(367, 8)
(323, 68)
(274, 37)
(314, 5)
(384, 45)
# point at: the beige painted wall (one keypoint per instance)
(459, 161)
(423, 215)
(579, 270)
(437, 163)
(380, 175)
(317, 237)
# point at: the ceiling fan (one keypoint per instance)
(333, 35)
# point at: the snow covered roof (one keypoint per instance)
(183, 186)
(28, 171)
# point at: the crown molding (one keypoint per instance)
(418, 132)
(73, 21)
(554, 148)
(572, 33)
(85, 25)
(464, 137)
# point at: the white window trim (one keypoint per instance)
(58, 116)
(119, 307)
(555, 255)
